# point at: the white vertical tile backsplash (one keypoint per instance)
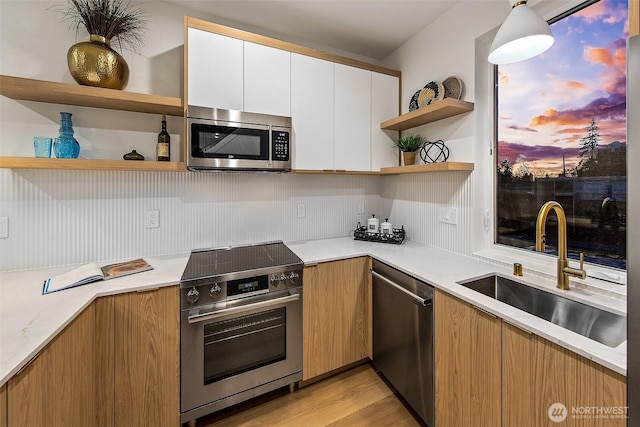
(69, 217)
(414, 201)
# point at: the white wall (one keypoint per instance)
(446, 48)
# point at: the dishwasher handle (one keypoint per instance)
(422, 301)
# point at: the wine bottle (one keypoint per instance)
(164, 141)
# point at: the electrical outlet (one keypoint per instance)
(301, 210)
(448, 215)
(4, 227)
(152, 219)
(360, 207)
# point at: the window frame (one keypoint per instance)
(609, 280)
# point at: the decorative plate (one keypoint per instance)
(432, 91)
(413, 104)
(452, 87)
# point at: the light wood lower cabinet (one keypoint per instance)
(537, 374)
(337, 315)
(467, 363)
(58, 387)
(147, 358)
(3, 406)
(116, 364)
(491, 373)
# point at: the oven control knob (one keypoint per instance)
(193, 295)
(273, 278)
(283, 277)
(215, 289)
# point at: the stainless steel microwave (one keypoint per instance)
(230, 140)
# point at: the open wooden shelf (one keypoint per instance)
(447, 107)
(89, 164)
(429, 167)
(19, 88)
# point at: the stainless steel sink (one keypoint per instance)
(607, 328)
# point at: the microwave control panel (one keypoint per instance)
(280, 147)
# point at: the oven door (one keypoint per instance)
(230, 348)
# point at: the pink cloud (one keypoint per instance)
(598, 55)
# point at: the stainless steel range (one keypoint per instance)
(240, 325)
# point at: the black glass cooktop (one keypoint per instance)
(218, 262)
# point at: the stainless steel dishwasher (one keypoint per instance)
(403, 329)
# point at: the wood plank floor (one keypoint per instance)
(358, 397)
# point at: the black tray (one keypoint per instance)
(396, 238)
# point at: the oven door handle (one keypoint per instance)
(201, 317)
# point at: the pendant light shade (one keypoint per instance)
(523, 35)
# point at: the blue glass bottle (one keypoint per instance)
(66, 146)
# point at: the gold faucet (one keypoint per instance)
(564, 271)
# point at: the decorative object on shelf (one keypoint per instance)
(133, 155)
(434, 152)
(453, 87)
(42, 146)
(164, 141)
(413, 104)
(95, 63)
(432, 91)
(409, 144)
(523, 35)
(66, 146)
(396, 237)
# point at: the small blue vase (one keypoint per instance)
(66, 146)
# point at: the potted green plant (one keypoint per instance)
(409, 144)
(95, 63)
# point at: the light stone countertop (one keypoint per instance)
(30, 320)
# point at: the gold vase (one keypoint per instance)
(409, 157)
(94, 63)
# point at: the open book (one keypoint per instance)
(92, 273)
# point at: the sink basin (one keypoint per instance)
(607, 328)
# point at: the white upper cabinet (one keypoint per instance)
(352, 118)
(267, 80)
(385, 90)
(215, 70)
(336, 109)
(312, 112)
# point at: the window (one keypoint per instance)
(561, 135)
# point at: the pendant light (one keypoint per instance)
(523, 35)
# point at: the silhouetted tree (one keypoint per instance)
(589, 143)
(505, 168)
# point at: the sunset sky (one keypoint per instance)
(545, 103)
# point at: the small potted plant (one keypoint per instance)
(409, 144)
(95, 63)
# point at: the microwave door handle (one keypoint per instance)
(201, 317)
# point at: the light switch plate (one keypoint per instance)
(448, 215)
(152, 219)
(4, 227)
(301, 210)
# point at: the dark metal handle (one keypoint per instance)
(416, 298)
